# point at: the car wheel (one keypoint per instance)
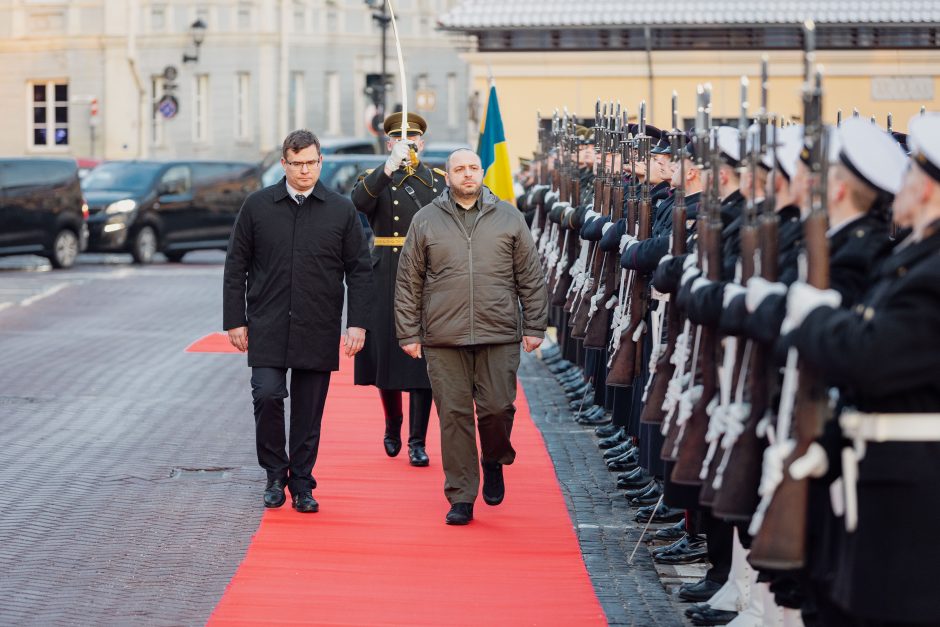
(174, 256)
(64, 249)
(144, 246)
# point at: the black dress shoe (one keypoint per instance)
(696, 608)
(392, 439)
(599, 417)
(570, 376)
(671, 533)
(620, 449)
(627, 461)
(274, 493)
(664, 514)
(607, 430)
(460, 514)
(649, 497)
(679, 545)
(417, 456)
(584, 391)
(633, 479)
(690, 552)
(700, 591)
(613, 440)
(494, 488)
(712, 616)
(305, 503)
(635, 492)
(561, 366)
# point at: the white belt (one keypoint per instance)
(862, 428)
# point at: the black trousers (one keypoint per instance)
(307, 397)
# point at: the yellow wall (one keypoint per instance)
(543, 82)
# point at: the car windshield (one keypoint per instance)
(132, 177)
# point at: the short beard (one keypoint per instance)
(465, 199)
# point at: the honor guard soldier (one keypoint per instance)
(389, 197)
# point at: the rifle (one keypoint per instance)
(599, 316)
(780, 530)
(736, 495)
(567, 238)
(653, 410)
(691, 443)
(591, 280)
(623, 359)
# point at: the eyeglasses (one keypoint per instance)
(315, 163)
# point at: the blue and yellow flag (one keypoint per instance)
(493, 151)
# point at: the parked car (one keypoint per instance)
(339, 172)
(173, 207)
(435, 153)
(42, 211)
(271, 170)
(86, 165)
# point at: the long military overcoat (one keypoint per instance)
(390, 203)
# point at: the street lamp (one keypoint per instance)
(198, 31)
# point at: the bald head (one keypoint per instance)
(457, 154)
(464, 176)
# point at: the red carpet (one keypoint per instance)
(212, 343)
(379, 553)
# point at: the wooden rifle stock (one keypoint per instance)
(693, 447)
(623, 362)
(596, 324)
(569, 239)
(781, 542)
(737, 497)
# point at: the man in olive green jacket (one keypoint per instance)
(469, 289)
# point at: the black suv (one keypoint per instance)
(42, 211)
(173, 207)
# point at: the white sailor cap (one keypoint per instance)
(729, 143)
(923, 138)
(789, 145)
(872, 155)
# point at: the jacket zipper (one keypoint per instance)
(469, 235)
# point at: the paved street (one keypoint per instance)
(131, 485)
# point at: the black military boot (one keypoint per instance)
(392, 439)
(419, 412)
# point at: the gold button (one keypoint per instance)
(394, 202)
(435, 189)
(394, 250)
(869, 314)
(860, 233)
(396, 218)
(395, 234)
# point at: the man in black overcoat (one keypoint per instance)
(293, 245)
(389, 197)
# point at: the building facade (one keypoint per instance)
(121, 79)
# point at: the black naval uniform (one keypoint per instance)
(882, 353)
(390, 203)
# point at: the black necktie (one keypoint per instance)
(300, 199)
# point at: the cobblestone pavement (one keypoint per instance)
(131, 490)
(631, 594)
(130, 486)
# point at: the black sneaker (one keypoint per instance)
(460, 514)
(305, 503)
(494, 488)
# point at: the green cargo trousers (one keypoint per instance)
(460, 376)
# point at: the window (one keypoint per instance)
(300, 18)
(245, 10)
(452, 100)
(333, 107)
(157, 18)
(175, 181)
(242, 105)
(297, 115)
(201, 108)
(49, 106)
(157, 86)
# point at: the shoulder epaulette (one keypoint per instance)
(439, 171)
(365, 174)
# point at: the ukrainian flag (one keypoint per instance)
(493, 151)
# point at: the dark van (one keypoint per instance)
(173, 207)
(42, 211)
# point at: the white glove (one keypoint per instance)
(689, 274)
(802, 300)
(691, 260)
(606, 226)
(699, 283)
(625, 241)
(758, 289)
(732, 291)
(814, 463)
(401, 152)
